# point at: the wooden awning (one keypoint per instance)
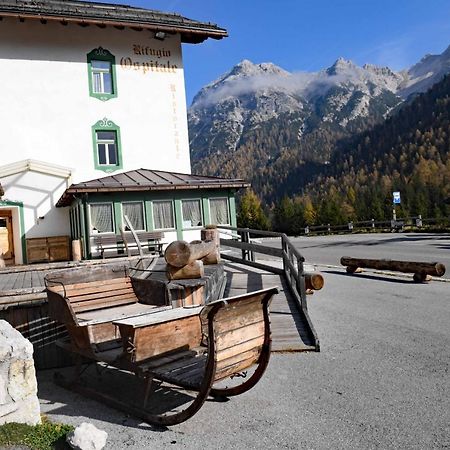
(143, 180)
(106, 14)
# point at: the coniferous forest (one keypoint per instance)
(408, 152)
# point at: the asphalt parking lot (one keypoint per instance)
(381, 380)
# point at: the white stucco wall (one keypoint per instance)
(46, 112)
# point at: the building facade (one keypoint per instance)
(90, 91)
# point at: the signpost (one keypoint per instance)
(395, 201)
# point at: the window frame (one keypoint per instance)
(112, 217)
(202, 215)
(101, 54)
(228, 210)
(173, 214)
(106, 125)
(143, 214)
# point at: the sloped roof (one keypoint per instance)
(84, 13)
(148, 180)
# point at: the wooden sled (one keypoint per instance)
(190, 348)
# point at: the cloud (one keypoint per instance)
(303, 84)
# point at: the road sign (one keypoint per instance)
(396, 197)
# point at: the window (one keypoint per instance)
(106, 142)
(107, 147)
(163, 215)
(135, 213)
(102, 74)
(101, 77)
(101, 218)
(218, 208)
(192, 213)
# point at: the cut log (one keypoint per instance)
(211, 234)
(193, 270)
(314, 281)
(212, 258)
(425, 268)
(181, 253)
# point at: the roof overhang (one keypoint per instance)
(119, 16)
(166, 181)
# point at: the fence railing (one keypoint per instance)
(288, 260)
(392, 225)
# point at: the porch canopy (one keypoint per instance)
(144, 180)
(104, 14)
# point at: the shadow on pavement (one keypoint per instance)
(386, 278)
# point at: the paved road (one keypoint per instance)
(381, 380)
(403, 246)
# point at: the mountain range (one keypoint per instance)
(273, 127)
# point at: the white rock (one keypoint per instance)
(87, 437)
(18, 386)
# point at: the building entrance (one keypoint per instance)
(6, 238)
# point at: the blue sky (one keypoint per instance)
(309, 35)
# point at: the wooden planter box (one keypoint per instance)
(49, 249)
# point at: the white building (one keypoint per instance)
(92, 90)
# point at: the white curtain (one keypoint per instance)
(101, 218)
(97, 82)
(135, 212)
(192, 213)
(163, 215)
(219, 211)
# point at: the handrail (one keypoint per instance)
(292, 261)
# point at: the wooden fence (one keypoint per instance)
(282, 252)
(371, 225)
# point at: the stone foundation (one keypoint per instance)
(18, 386)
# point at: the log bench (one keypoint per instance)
(117, 245)
(423, 271)
(192, 348)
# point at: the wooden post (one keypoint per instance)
(211, 234)
(76, 250)
(314, 281)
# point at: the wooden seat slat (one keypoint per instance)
(81, 288)
(238, 358)
(92, 305)
(239, 348)
(106, 294)
(115, 313)
(240, 321)
(235, 337)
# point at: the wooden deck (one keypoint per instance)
(290, 332)
(23, 303)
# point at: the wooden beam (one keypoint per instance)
(420, 269)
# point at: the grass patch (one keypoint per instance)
(45, 436)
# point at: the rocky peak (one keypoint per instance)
(340, 66)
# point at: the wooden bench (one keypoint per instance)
(116, 245)
(88, 300)
(193, 348)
